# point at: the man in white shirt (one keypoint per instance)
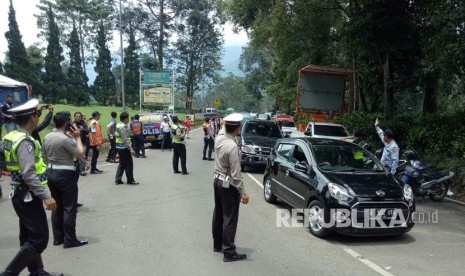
(166, 129)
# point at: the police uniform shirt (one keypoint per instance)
(26, 161)
(390, 157)
(111, 128)
(125, 133)
(228, 161)
(60, 148)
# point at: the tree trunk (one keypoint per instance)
(81, 45)
(161, 37)
(388, 97)
(430, 99)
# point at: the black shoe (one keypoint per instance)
(119, 182)
(75, 244)
(184, 173)
(143, 156)
(211, 159)
(96, 172)
(205, 158)
(56, 243)
(177, 172)
(133, 182)
(234, 257)
(79, 205)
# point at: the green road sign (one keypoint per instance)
(162, 78)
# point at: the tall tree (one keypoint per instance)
(131, 66)
(105, 83)
(54, 79)
(17, 65)
(77, 80)
(1, 67)
(34, 54)
(199, 46)
(159, 17)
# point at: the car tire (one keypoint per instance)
(315, 226)
(267, 191)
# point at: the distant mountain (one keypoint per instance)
(229, 60)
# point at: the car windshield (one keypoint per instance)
(288, 124)
(329, 130)
(350, 158)
(261, 129)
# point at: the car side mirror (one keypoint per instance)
(301, 167)
(308, 132)
(287, 136)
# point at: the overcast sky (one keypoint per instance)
(25, 10)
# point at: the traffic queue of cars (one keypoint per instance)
(335, 184)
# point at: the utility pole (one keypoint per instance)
(123, 96)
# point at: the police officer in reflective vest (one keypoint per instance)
(95, 141)
(228, 189)
(23, 156)
(136, 129)
(125, 151)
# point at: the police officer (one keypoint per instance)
(125, 151)
(61, 148)
(228, 189)
(179, 146)
(24, 160)
(111, 157)
(390, 157)
(136, 129)
(208, 139)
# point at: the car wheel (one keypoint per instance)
(316, 219)
(267, 192)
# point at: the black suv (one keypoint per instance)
(339, 186)
(258, 137)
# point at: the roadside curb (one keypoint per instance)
(455, 201)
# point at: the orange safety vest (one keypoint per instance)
(136, 128)
(95, 134)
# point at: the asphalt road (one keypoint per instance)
(163, 227)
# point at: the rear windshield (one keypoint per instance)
(327, 130)
(288, 124)
(261, 129)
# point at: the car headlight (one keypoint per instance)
(408, 192)
(338, 192)
(247, 149)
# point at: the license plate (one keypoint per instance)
(386, 213)
(150, 137)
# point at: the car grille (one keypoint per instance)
(361, 208)
(262, 151)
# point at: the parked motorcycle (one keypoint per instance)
(424, 182)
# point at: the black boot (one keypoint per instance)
(22, 259)
(36, 268)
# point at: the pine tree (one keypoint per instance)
(1, 68)
(17, 65)
(105, 83)
(53, 78)
(131, 65)
(77, 80)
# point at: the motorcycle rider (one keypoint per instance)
(390, 156)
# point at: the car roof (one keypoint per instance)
(261, 121)
(326, 124)
(318, 141)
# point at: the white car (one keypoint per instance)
(325, 130)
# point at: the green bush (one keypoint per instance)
(439, 139)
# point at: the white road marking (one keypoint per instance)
(349, 251)
(255, 180)
(367, 262)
